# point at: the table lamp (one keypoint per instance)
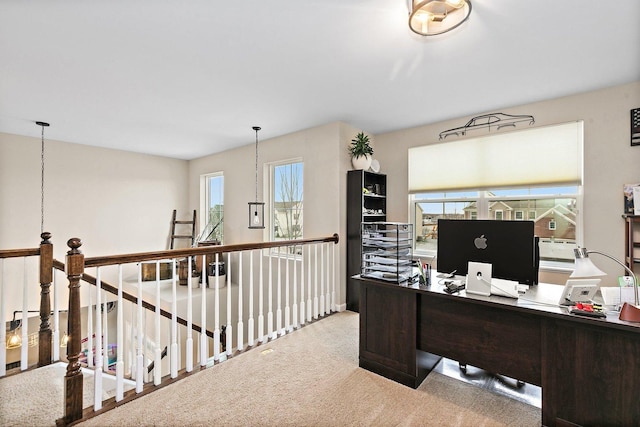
(585, 268)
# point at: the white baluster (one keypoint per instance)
(189, 342)
(294, 307)
(315, 283)
(327, 293)
(302, 305)
(270, 313)
(120, 341)
(157, 357)
(229, 330)
(204, 353)
(105, 333)
(97, 372)
(322, 287)
(216, 331)
(240, 301)
(139, 350)
(90, 331)
(279, 300)
(250, 330)
(287, 312)
(309, 303)
(174, 321)
(24, 350)
(260, 302)
(56, 318)
(333, 276)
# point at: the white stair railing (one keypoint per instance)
(154, 322)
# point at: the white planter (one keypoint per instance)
(362, 162)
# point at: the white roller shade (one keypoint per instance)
(539, 156)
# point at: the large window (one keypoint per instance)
(533, 174)
(544, 206)
(286, 200)
(214, 203)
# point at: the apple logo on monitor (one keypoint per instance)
(480, 242)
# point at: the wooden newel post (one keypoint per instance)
(73, 377)
(46, 275)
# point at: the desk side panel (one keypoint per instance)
(498, 340)
(591, 374)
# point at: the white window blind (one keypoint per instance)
(548, 155)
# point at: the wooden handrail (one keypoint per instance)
(204, 250)
(19, 253)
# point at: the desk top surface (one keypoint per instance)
(542, 298)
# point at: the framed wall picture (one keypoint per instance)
(635, 126)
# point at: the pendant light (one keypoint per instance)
(256, 208)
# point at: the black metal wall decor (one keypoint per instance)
(635, 126)
(489, 121)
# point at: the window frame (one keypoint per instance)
(205, 200)
(271, 220)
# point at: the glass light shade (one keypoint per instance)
(256, 214)
(14, 340)
(64, 340)
(433, 17)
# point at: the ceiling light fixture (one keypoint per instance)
(433, 17)
(256, 209)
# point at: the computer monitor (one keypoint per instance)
(509, 246)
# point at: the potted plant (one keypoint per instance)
(361, 151)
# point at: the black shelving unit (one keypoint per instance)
(366, 202)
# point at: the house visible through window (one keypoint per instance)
(287, 185)
(553, 209)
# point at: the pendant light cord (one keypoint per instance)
(42, 125)
(42, 183)
(256, 128)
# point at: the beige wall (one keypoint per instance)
(120, 202)
(609, 161)
(323, 150)
(115, 201)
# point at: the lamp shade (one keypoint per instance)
(585, 268)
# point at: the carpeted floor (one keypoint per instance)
(311, 378)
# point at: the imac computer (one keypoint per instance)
(509, 246)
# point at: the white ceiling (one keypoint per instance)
(189, 78)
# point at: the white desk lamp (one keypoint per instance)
(586, 268)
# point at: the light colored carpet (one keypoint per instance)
(311, 378)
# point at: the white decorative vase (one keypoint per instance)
(362, 162)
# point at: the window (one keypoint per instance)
(214, 208)
(534, 174)
(556, 225)
(286, 191)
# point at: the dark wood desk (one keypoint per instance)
(588, 368)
